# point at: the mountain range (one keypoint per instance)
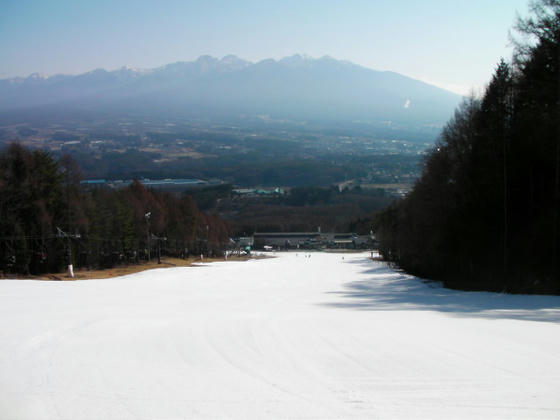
(296, 87)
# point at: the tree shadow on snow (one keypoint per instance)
(386, 289)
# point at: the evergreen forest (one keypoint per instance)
(48, 221)
(485, 213)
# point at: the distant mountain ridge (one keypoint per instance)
(294, 87)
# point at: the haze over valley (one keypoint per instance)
(296, 88)
(295, 122)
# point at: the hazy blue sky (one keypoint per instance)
(450, 43)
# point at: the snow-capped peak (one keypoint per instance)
(38, 76)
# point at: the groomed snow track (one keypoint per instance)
(296, 336)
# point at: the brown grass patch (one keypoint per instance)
(124, 270)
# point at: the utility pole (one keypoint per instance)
(159, 239)
(61, 234)
(207, 241)
(148, 242)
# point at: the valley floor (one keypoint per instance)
(318, 335)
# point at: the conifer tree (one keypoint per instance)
(493, 181)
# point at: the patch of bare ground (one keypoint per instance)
(124, 270)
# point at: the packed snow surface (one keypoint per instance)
(297, 336)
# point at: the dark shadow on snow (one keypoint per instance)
(387, 289)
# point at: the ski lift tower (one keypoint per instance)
(61, 234)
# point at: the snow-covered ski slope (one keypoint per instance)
(330, 336)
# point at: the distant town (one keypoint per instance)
(253, 153)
